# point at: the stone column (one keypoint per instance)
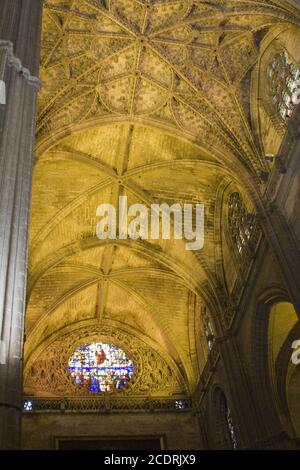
(20, 31)
(277, 223)
(281, 238)
(239, 396)
(257, 426)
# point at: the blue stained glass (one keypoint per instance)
(100, 367)
(231, 429)
(28, 406)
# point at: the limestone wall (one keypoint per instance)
(179, 430)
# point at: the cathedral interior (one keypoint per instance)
(140, 343)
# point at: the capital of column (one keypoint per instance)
(16, 63)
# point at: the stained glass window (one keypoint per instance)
(208, 328)
(180, 404)
(284, 78)
(28, 406)
(231, 429)
(100, 367)
(241, 223)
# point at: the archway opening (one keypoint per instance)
(283, 340)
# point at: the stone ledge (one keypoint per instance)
(16, 63)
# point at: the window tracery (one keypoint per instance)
(231, 428)
(207, 328)
(284, 78)
(241, 223)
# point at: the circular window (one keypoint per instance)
(100, 367)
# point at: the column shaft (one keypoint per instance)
(21, 25)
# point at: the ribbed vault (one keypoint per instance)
(148, 99)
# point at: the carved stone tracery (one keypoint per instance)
(48, 373)
(151, 100)
(180, 63)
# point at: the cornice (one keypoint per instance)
(16, 63)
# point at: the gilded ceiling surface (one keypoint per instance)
(149, 100)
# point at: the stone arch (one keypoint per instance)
(218, 431)
(259, 372)
(225, 156)
(286, 382)
(268, 127)
(236, 262)
(293, 399)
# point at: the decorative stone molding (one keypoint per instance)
(190, 91)
(20, 24)
(206, 376)
(16, 63)
(107, 403)
(48, 374)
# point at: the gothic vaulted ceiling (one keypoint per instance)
(148, 99)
